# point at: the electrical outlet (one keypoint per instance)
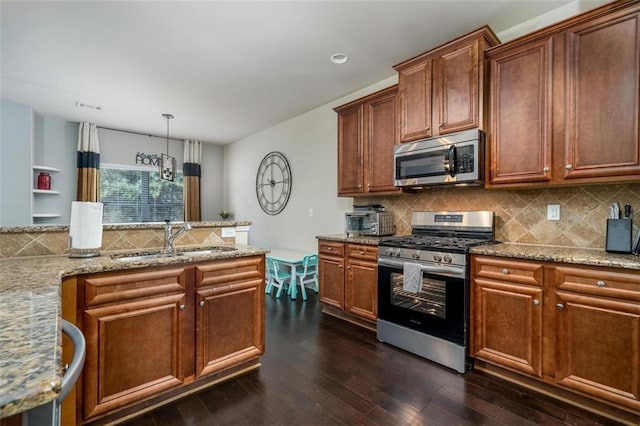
(310, 211)
(553, 212)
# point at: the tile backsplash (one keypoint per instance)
(521, 215)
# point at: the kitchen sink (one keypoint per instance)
(151, 256)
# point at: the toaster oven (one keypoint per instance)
(368, 223)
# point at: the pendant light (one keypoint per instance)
(167, 162)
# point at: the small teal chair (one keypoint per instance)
(309, 274)
(276, 277)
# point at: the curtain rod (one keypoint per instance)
(139, 133)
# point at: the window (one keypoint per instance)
(137, 194)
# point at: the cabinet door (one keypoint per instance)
(602, 97)
(361, 289)
(331, 280)
(508, 325)
(229, 325)
(350, 146)
(456, 80)
(414, 86)
(134, 351)
(382, 136)
(229, 313)
(598, 347)
(520, 111)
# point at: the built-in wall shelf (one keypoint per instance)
(45, 191)
(44, 215)
(45, 169)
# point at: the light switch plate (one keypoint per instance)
(553, 212)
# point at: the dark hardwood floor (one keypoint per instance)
(319, 370)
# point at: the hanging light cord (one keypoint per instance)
(168, 117)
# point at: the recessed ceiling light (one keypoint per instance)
(339, 58)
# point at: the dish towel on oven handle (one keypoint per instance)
(412, 277)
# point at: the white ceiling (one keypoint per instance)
(223, 69)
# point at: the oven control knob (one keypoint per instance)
(397, 253)
(447, 258)
(416, 254)
(389, 252)
(437, 257)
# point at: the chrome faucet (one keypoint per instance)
(170, 235)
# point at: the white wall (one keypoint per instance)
(309, 142)
(16, 134)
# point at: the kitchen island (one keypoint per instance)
(30, 318)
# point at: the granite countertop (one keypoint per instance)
(118, 226)
(30, 319)
(578, 256)
(344, 238)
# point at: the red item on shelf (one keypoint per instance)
(44, 181)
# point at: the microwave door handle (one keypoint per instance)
(452, 161)
(425, 268)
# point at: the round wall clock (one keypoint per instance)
(273, 183)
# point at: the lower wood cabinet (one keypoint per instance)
(348, 278)
(155, 331)
(574, 327)
(507, 314)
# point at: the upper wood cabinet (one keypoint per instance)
(565, 102)
(367, 132)
(442, 91)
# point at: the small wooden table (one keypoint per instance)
(293, 259)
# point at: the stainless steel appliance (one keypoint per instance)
(423, 284)
(453, 159)
(374, 223)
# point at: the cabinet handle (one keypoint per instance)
(505, 271)
(600, 283)
(545, 169)
(182, 307)
(536, 302)
(202, 303)
(560, 306)
(568, 167)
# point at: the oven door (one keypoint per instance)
(439, 308)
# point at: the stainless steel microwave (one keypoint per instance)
(368, 223)
(453, 159)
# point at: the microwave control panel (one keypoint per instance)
(465, 159)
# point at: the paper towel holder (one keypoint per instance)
(76, 253)
(85, 229)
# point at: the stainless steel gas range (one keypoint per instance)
(423, 284)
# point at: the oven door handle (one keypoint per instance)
(425, 268)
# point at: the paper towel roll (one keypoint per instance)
(85, 228)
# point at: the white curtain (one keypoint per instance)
(88, 163)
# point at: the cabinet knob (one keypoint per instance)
(440, 124)
(427, 128)
(560, 306)
(545, 169)
(202, 303)
(329, 248)
(359, 186)
(600, 283)
(505, 271)
(348, 267)
(361, 252)
(568, 167)
(536, 302)
(182, 307)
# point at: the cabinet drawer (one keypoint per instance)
(133, 285)
(361, 251)
(228, 272)
(529, 273)
(330, 248)
(601, 282)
